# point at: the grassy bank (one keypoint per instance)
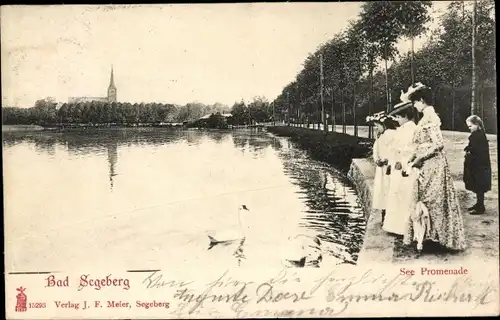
(335, 148)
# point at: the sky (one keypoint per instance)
(165, 53)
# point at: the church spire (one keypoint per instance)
(112, 79)
(112, 88)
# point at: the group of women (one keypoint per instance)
(413, 185)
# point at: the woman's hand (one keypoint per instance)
(418, 163)
(398, 166)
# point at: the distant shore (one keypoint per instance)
(30, 128)
(21, 128)
(73, 126)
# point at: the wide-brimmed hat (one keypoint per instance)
(400, 107)
(378, 117)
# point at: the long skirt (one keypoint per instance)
(399, 202)
(435, 189)
(380, 188)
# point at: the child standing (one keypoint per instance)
(477, 165)
(382, 154)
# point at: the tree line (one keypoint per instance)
(96, 112)
(353, 88)
(47, 112)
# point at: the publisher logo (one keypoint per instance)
(21, 300)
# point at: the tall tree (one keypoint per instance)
(382, 26)
(473, 108)
(355, 63)
(413, 15)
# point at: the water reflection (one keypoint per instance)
(46, 144)
(255, 141)
(112, 148)
(165, 201)
(86, 142)
(333, 209)
(192, 137)
(218, 136)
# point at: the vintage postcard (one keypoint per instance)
(250, 160)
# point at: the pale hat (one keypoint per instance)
(378, 117)
(400, 106)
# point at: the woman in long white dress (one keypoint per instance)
(400, 196)
(382, 152)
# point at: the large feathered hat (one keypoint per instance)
(405, 98)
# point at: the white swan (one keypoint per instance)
(229, 236)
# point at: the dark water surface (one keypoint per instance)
(144, 198)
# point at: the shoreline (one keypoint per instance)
(55, 128)
(21, 128)
(334, 148)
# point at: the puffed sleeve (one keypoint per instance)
(407, 150)
(388, 145)
(433, 144)
(393, 149)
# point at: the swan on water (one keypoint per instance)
(229, 236)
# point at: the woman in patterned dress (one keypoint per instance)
(434, 187)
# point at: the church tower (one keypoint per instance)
(112, 88)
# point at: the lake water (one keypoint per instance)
(149, 198)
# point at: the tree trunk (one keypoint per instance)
(453, 107)
(388, 108)
(333, 113)
(473, 109)
(354, 110)
(343, 110)
(482, 102)
(333, 121)
(411, 61)
(318, 116)
(370, 105)
(495, 78)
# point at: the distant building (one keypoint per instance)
(110, 98)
